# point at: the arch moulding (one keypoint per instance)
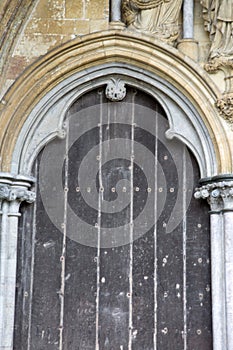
(78, 63)
(32, 113)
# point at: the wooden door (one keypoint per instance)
(115, 253)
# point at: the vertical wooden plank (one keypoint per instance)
(199, 329)
(80, 296)
(64, 240)
(143, 251)
(114, 261)
(81, 261)
(45, 299)
(143, 292)
(156, 206)
(170, 261)
(114, 298)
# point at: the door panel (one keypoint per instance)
(115, 254)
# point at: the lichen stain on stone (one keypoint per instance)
(35, 46)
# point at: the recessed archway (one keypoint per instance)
(116, 230)
(55, 81)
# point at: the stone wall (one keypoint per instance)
(49, 23)
(45, 25)
(30, 29)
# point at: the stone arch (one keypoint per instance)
(62, 75)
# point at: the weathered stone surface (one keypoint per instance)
(122, 46)
(50, 24)
(96, 9)
(74, 9)
(13, 15)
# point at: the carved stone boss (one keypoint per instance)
(13, 191)
(219, 194)
(115, 90)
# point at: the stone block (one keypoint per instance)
(74, 9)
(82, 27)
(98, 25)
(189, 47)
(62, 27)
(95, 9)
(37, 26)
(32, 46)
(50, 9)
(16, 65)
(198, 13)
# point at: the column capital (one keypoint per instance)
(16, 187)
(218, 191)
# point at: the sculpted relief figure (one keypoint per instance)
(218, 17)
(158, 17)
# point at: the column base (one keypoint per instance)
(117, 25)
(189, 47)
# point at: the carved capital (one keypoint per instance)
(218, 194)
(115, 90)
(21, 194)
(16, 188)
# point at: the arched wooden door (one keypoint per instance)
(115, 254)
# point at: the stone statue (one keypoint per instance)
(218, 17)
(158, 17)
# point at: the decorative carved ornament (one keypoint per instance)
(218, 20)
(11, 194)
(213, 65)
(217, 194)
(115, 90)
(225, 107)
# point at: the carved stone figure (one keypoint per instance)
(225, 107)
(218, 17)
(158, 17)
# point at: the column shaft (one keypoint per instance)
(4, 332)
(8, 261)
(228, 228)
(13, 191)
(116, 11)
(188, 15)
(219, 192)
(218, 282)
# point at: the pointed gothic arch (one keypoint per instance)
(77, 64)
(56, 80)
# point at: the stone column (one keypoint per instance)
(13, 191)
(219, 193)
(188, 45)
(188, 15)
(228, 231)
(116, 11)
(116, 22)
